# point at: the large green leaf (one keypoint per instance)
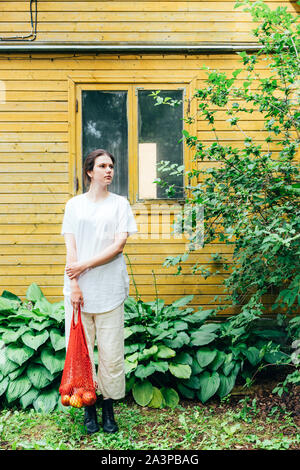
(11, 296)
(199, 317)
(180, 339)
(170, 396)
(181, 371)
(46, 401)
(180, 325)
(183, 358)
(19, 354)
(146, 353)
(226, 384)
(6, 365)
(39, 376)
(40, 325)
(144, 371)
(129, 366)
(160, 366)
(269, 334)
(137, 328)
(164, 352)
(157, 399)
(28, 397)
(209, 385)
(131, 348)
(58, 340)
(8, 305)
(253, 355)
(17, 388)
(196, 369)
(127, 332)
(34, 292)
(34, 341)
(142, 392)
(3, 385)
(132, 357)
(43, 307)
(210, 327)
(228, 364)
(15, 373)
(53, 361)
(23, 314)
(218, 360)
(201, 338)
(158, 333)
(274, 357)
(205, 356)
(11, 336)
(57, 311)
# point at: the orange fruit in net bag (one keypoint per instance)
(66, 389)
(89, 398)
(76, 401)
(65, 399)
(79, 391)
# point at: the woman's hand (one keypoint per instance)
(76, 297)
(75, 269)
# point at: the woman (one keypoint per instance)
(96, 226)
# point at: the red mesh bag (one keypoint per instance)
(77, 386)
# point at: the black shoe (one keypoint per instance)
(90, 419)
(108, 420)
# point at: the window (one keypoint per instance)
(105, 125)
(159, 135)
(123, 119)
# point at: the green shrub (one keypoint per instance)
(32, 349)
(171, 350)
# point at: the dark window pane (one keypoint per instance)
(104, 125)
(160, 129)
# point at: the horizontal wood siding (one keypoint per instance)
(132, 22)
(34, 173)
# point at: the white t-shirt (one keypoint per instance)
(94, 225)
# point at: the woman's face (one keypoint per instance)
(103, 171)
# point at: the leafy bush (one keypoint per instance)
(171, 351)
(157, 339)
(250, 192)
(32, 349)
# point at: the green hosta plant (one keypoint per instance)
(32, 349)
(173, 351)
(158, 343)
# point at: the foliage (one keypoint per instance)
(250, 192)
(172, 351)
(32, 349)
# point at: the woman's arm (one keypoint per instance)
(74, 269)
(71, 257)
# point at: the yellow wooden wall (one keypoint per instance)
(132, 22)
(34, 173)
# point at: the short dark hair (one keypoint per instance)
(89, 162)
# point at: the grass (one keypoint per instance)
(225, 425)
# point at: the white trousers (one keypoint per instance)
(108, 329)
